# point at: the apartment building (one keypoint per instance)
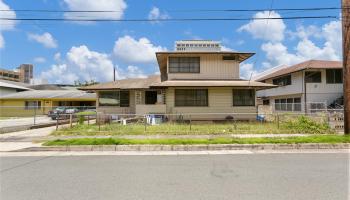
(305, 87)
(23, 73)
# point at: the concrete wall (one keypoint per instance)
(211, 67)
(220, 100)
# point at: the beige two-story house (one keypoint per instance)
(196, 79)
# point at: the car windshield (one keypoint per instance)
(59, 109)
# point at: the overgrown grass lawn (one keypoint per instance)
(180, 141)
(299, 125)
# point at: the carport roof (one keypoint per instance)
(51, 94)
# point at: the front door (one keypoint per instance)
(151, 97)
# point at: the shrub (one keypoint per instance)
(304, 124)
(81, 119)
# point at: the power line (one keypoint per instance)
(169, 19)
(185, 10)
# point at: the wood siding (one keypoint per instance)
(211, 67)
(220, 100)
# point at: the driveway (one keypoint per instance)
(24, 121)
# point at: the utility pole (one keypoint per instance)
(346, 63)
(113, 73)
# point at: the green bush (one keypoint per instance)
(304, 124)
(81, 119)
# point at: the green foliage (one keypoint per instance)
(190, 141)
(304, 124)
(81, 119)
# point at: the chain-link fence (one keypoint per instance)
(197, 123)
(85, 120)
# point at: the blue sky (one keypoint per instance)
(66, 51)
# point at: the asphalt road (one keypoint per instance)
(252, 176)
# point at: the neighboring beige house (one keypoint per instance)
(200, 80)
(305, 87)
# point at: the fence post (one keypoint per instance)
(57, 117)
(190, 123)
(278, 121)
(71, 120)
(88, 118)
(34, 114)
(145, 122)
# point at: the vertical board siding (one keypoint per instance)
(211, 67)
(219, 101)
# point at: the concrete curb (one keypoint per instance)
(212, 147)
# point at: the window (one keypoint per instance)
(124, 98)
(266, 102)
(334, 76)
(282, 81)
(277, 104)
(229, 57)
(191, 97)
(31, 105)
(184, 64)
(297, 104)
(289, 104)
(114, 98)
(313, 77)
(243, 97)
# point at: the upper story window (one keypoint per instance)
(184, 64)
(334, 76)
(313, 77)
(282, 81)
(114, 98)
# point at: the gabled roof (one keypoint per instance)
(310, 64)
(132, 83)
(51, 94)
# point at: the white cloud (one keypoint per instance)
(2, 41)
(39, 60)
(45, 39)
(132, 72)
(57, 57)
(225, 48)
(6, 25)
(330, 49)
(156, 14)
(81, 64)
(269, 30)
(58, 74)
(247, 71)
(90, 64)
(131, 50)
(101, 5)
